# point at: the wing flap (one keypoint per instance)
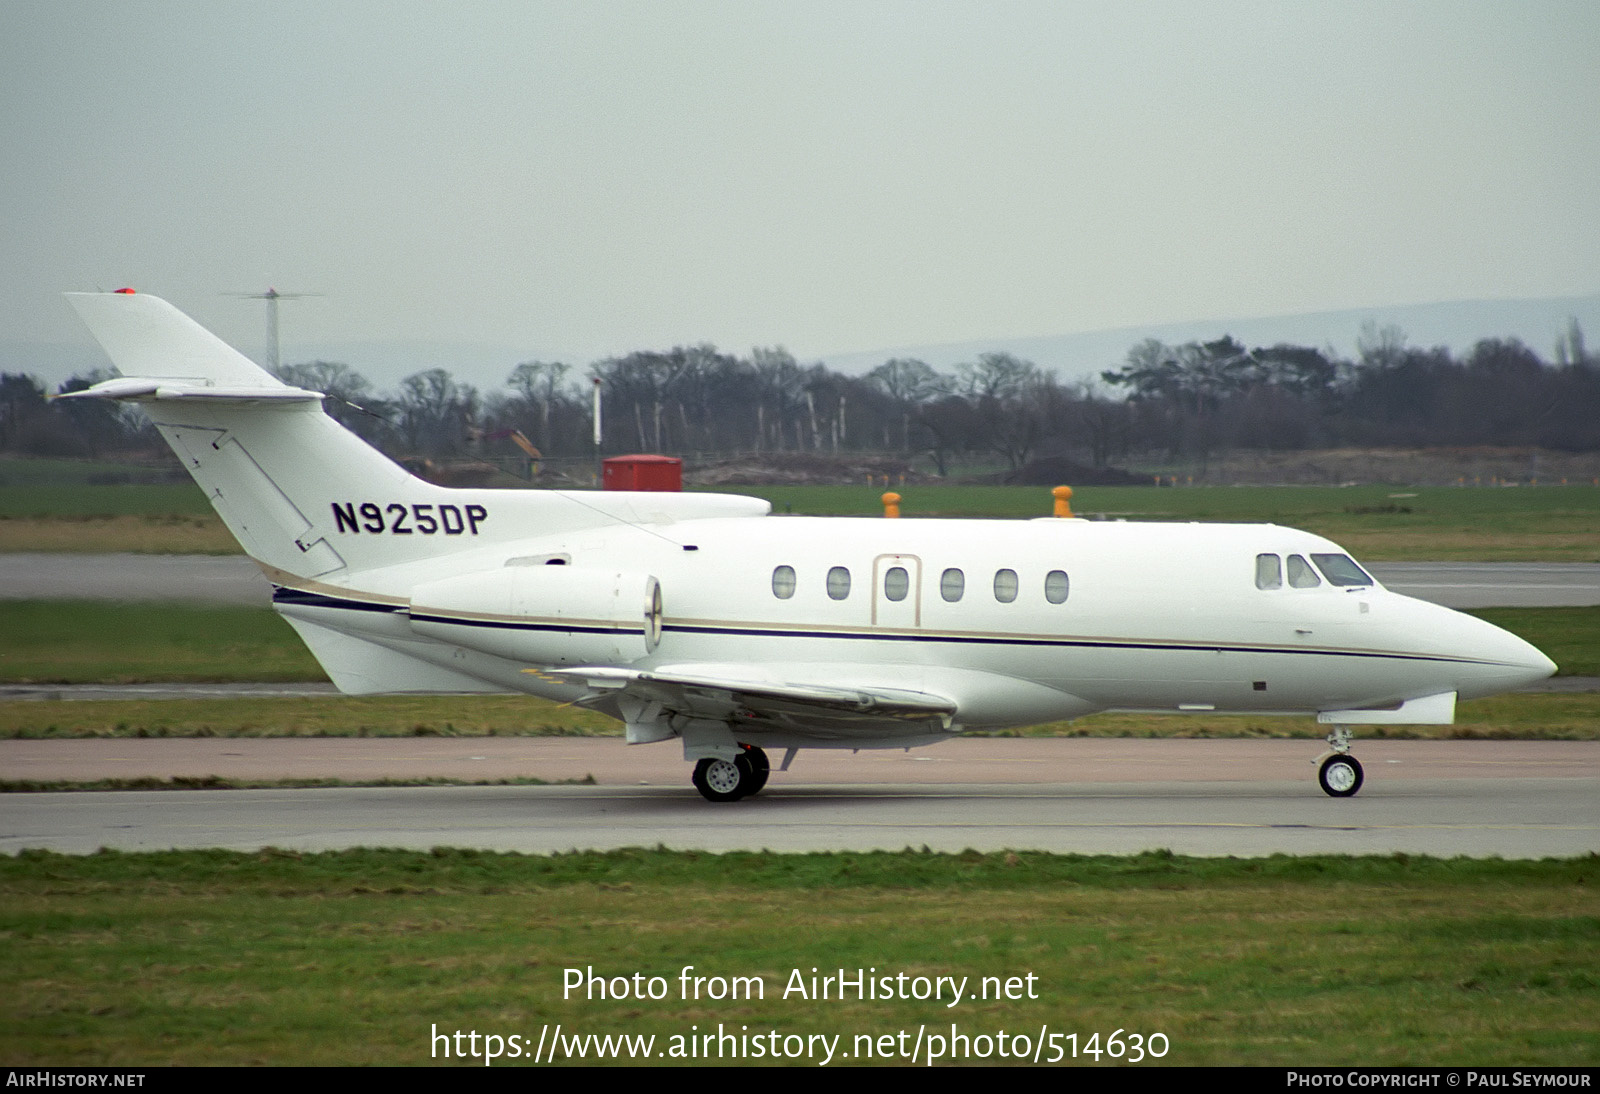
(720, 693)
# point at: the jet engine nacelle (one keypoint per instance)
(544, 615)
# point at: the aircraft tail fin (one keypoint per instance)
(302, 494)
(148, 338)
(278, 470)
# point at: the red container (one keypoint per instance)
(642, 473)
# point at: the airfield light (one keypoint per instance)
(1063, 496)
(891, 504)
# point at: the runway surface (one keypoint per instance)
(235, 579)
(1515, 799)
(1494, 584)
(1229, 797)
(208, 579)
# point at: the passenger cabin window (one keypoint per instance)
(1005, 586)
(838, 583)
(1269, 574)
(952, 583)
(896, 583)
(1341, 570)
(1301, 575)
(783, 582)
(1055, 586)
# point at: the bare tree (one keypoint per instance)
(541, 387)
(908, 383)
(437, 414)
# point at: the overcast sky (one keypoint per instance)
(589, 178)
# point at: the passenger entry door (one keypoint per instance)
(897, 591)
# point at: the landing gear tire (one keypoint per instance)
(1340, 775)
(724, 780)
(760, 768)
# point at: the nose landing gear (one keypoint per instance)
(1340, 776)
(1340, 773)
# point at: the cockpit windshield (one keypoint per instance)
(1341, 570)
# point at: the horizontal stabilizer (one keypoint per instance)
(147, 337)
(140, 389)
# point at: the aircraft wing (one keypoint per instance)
(841, 708)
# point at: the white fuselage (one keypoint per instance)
(1160, 617)
(704, 618)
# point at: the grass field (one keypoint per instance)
(69, 641)
(59, 474)
(42, 510)
(1380, 523)
(65, 642)
(84, 641)
(76, 642)
(78, 506)
(358, 957)
(339, 716)
(167, 534)
(1542, 717)
(178, 499)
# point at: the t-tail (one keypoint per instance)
(280, 473)
(304, 496)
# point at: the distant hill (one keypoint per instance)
(1457, 324)
(385, 363)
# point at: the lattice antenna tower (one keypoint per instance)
(272, 296)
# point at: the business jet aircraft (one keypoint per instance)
(703, 618)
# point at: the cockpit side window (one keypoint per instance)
(1269, 574)
(1341, 570)
(1301, 575)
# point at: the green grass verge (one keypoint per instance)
(183, 499)
(1568, 636)
(77, 506)
(163, 534)
(1520, 717)
(1351, 507)
(1541, 717)
(1531, 523)
(1378, 523)
(85, 641)
(77, 641)
(59, 474)
(356, 957)
(217, 782)
(336, 716)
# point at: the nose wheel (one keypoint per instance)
(1340, 773)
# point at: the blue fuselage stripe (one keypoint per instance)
(1060, 643)
(319, 600)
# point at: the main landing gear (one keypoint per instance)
(1340, 774)
(729, 780)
